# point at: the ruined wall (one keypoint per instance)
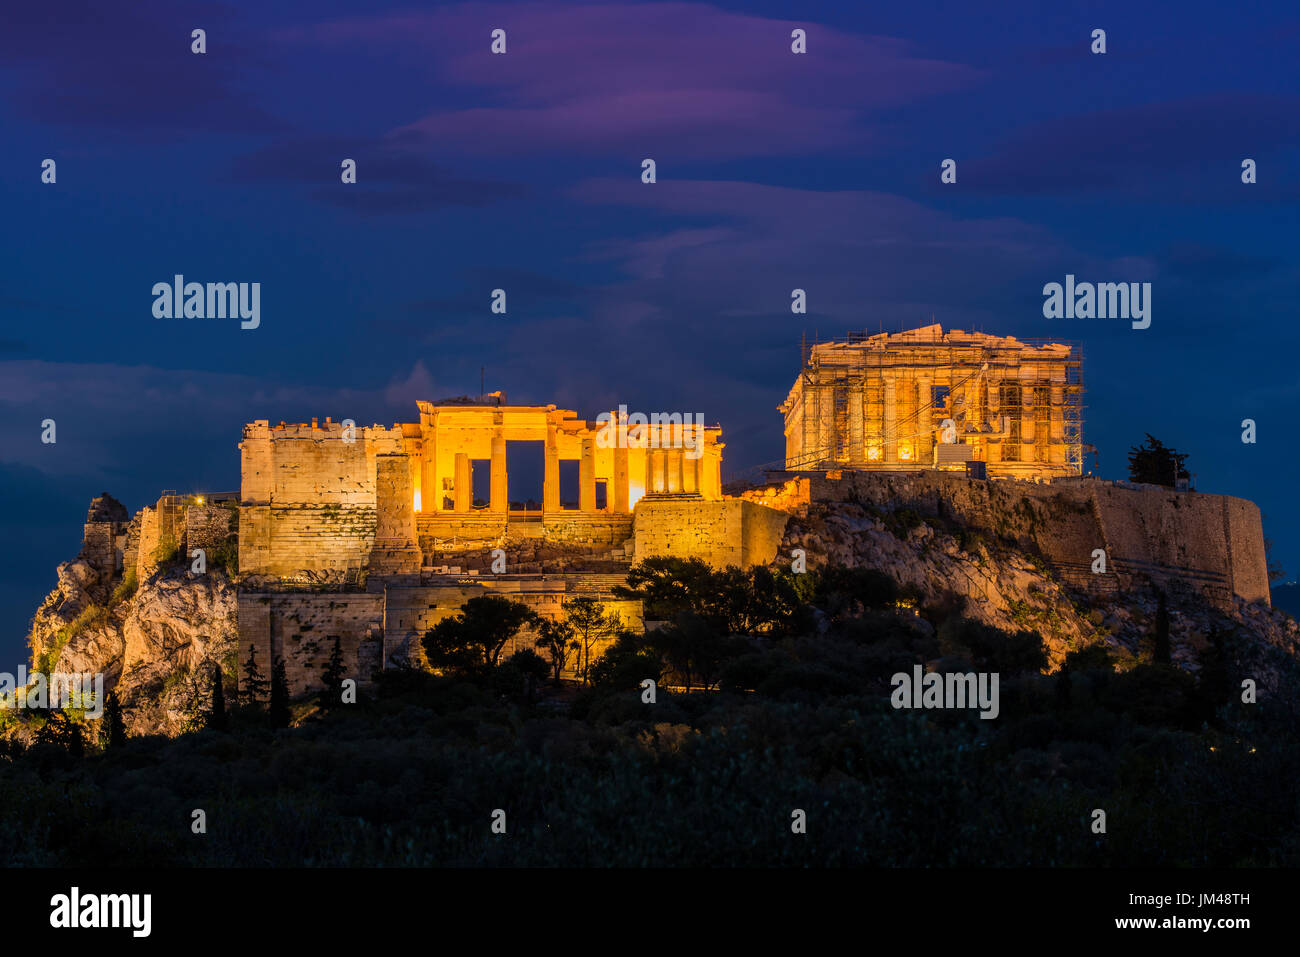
(440, 530)
(791, 495)
(731, 532)
(576, 528)
(208, 526)
(99, 547)
(151, 535)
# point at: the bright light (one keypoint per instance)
(200, 500)
(873, 453)
(904, 451)
(417, 499)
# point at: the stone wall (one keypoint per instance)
(410, 612)
(577, 528)
(731, 532)
(150, 537)
(301, 628)
(290, 540)
(208, 526)
(384, 629)
(436, 531)
(99, 547)
(307, 495)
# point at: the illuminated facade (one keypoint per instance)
(928, 399)
(335, 497)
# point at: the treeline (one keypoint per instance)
(788, 711)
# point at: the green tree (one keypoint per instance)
(844, 592)
(626, 663)
(279, 709)
(694, 650)
(669, 586)
(473, 640)
(63, 731)
(253, 689)
(533, 669)
(1154, 464)
(591, 625)
(331, 677)
(555, 637)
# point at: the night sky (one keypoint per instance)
(523, 171)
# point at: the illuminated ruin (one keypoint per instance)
(928, 399)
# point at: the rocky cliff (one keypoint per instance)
(1009, 584)
(156, 640)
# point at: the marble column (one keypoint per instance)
(587, 475)
(551, 478)
(464, 490)
(891, 421)
(500, 485)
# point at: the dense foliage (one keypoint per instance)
(789, 710)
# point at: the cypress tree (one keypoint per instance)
(279, 711)
(114, 727)
(218, 721)
(254, 688)
(332, 677)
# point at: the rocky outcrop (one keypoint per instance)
(155, 646)
(1011, 587)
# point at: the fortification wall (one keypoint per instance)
(1248, 559)
(1212, 542)
(301, 627)
(290, 540)
(730, 532)
(308, 495)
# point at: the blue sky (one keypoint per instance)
(522, 171)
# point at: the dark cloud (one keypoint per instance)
(666, 79)
(128, 66)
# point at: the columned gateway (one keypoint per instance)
(327, 499)
(664, 455)
(928, 399)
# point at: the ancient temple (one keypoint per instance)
(924, 399)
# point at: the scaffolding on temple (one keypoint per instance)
(923, 398)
